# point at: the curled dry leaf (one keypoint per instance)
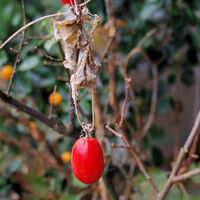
(85, 75)
(66, 31)
(76, 33)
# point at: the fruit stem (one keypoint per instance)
(87, 134)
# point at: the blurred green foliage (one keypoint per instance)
(177, 41)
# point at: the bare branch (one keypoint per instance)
(128, 82)
(53, 123)
(134, 155)
(23, 146)
(60, 64)
(136, 109)
(109, 9)
(113, 131)
(113, 145)
(136, 49)
(47, 56)
(51, 107)
(19, 50)
(71, 102)
(184, 150)
(30, 24)
(153, 97)
(186, 176)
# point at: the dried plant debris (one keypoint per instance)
(76, 33)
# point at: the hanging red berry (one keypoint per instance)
(87, 160)
(70, 2)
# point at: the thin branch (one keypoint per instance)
(30, 24)
(83, 4)
(153, 97)
(112, 92)
(128, 83)
(53, 123)
(183, 151)
(53, 64)
(136, 109)
(113, 131)
(134, 155)
(39, 37)
(19, 50)
(109, 8)
(17, 119)
(71, 102)
(26, 123)
(186, 176)
(113, 145)
(13, 50)
(136, 49)
(47, 56)
(23, 146)
(51, 107)
(175, 93)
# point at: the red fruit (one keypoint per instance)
(87, 160)
(70, 2)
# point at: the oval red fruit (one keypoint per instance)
(70, 2)
(87, 160)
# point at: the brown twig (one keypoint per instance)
(53, 64)
(109, 9)
(113, 145)
(39, 37)
(53, 123)
(28, 25)
(130, 183)
(113, 131)
(136, 49)
(23, 146)
(47, 56)
(71, 102)
(51, 107)
(183, 151)
(128, 82)
(136, 109)
(186, 175)
(14, 50)
(19, 50)
(135, 156)
(176, 102)
(26, 123)
(17, 119)
(150, 119)
(112, 92)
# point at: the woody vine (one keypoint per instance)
(74, 33)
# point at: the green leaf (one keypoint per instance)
(23, 84)
(49, 43)
(36, 185)
(193, 166)
(29, 63)
(159, 178)
(156, 132)
(13, 166)
(71, 197)
(3, 57)
(77, 183)
(149, 9)
(42, 77)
